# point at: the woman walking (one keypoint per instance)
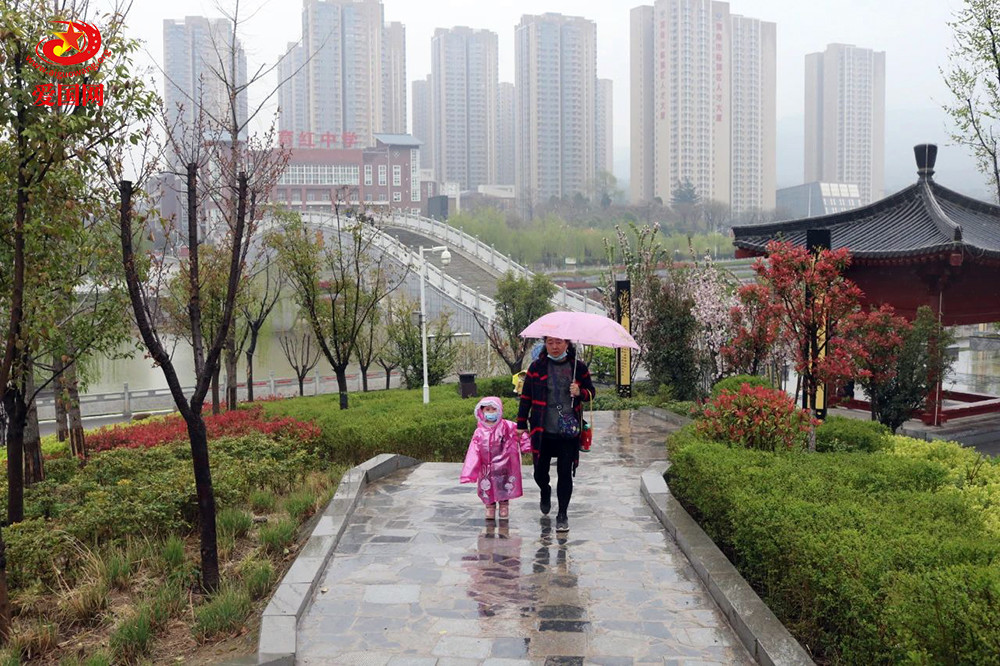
(551, 410)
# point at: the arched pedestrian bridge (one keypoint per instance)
(467, 286)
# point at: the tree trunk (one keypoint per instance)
(364, 379)
(59, 388)
(231, 391)
(250, 367)
(388, 375)
(77, 441)
(216, 406)
(342, 385)
(302, 382)
(17, 412)
(206, 501)
(33, 470)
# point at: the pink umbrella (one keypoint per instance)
(584, 327)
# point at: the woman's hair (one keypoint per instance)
(570, 348)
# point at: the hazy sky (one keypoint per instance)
(913, 33)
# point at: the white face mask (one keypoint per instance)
(491, 417)
(558, 358)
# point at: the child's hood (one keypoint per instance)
(493, 401)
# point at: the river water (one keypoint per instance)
(974, 371)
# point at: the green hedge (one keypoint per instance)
(394, 421)
(397, 421)
(501, 386)
(870, 559)
(839, 434)
(733, 384)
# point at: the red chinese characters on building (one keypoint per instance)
(306, 140)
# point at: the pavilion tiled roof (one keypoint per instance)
(922, 220)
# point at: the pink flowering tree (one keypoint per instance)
(712, 291)
(637, 253)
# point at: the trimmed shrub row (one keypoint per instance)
(874, 559)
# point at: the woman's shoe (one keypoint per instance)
(504, 510)
(562, 523)
(491, 512)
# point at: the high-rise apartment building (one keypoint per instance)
(642, 47)
(505, 134)
(845, 118)
(604, 147)
(703, 97)
(555, 75)
(192, 51)
(293, 94)
(346, 93)
(394, 75)
(464, 79)
(421, 119)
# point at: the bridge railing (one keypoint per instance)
(487, 254)
(436, 278)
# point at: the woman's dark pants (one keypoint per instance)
(565, 451)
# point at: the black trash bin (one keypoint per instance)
(467, 384)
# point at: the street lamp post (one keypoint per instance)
(445, 260)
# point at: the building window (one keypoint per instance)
(415, 211)
(415, 195)
(368, 174)
(397, 196)
(319, 174)
(397, 175)
(381, 174)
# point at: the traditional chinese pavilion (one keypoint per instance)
(924, 245)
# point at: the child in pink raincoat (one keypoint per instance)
(493, 461)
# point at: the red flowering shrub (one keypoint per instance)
(230, 423)
(756, 418)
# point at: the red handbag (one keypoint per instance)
(587, 431)
(586, 436)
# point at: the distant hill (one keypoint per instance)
(955, 169)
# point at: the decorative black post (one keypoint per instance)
(623, 355)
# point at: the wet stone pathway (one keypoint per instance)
(421, 579)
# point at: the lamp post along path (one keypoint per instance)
(445, 260)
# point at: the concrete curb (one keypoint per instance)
(666, 415)
(763, 635)
(276, 645)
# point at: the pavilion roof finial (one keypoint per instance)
(926, 154)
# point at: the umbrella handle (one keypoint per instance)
(573, 381)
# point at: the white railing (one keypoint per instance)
(436, 278)
(487, 255)
(128, 401)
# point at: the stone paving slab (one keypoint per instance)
(420, 578)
